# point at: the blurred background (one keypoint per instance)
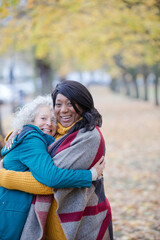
(113, 48)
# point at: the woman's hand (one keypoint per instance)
(98, 167)
(11, 138)
(1, 164)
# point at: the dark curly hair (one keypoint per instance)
(79, 94)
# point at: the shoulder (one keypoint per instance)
(88, 139)
(94, 134)
(92, 139)
(87, 147)
(31, 131)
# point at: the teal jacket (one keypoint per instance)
(29, 152)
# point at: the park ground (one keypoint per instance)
(131, 129)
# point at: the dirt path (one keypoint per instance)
(132, 132)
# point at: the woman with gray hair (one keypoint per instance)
(26, 114)
(29, 152)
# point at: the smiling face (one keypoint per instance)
(45, 121)
(65, 112)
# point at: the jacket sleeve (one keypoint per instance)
(23, 181)
(35, 156)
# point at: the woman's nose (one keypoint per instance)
(64, 108)
(49, 122)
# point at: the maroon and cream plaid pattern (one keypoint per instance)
(36, 220)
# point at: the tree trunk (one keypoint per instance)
(44, 73)
(1, 130)
(156, 90)
(145, 89)
(136, 86)
(127, 85)
(145, 72)
(113, 85)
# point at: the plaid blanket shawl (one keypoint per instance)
(85, 213)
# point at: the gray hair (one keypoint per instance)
(28, 112)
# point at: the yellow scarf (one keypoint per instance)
(63, 130)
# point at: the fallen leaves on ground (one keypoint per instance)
(132, 132)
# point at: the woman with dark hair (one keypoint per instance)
(82, 213)
(79, 95)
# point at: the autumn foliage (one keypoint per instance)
(122, 37)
